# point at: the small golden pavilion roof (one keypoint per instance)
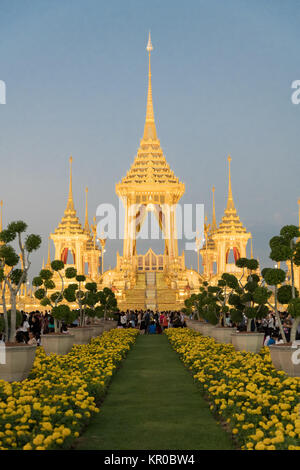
(90, 245)
(230, 223)
(150, 165)
(69, 223)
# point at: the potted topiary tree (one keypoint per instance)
(248, 300)
(223, 292)
(191, 310)
(18, 357)
(205, 305)
(75, 293)
(108, 307)
(57, 342)
(286, 247)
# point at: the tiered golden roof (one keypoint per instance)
(150, 165)
(69, 223)
(230, 223)
(90, 245)
(214, 225)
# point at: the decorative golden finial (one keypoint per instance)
(251, 251)
(1, 214)
(86, 224)
(206, 227)
(49, 257)
(214, 221)
(230, 203)
(94, 231)
(149, 45)
(43, 266)
(70, 204)
(149, 129)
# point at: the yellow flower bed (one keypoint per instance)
(259, 403)
(48, 410)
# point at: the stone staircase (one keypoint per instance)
(150, 292)
(135, 298)
(166, 297)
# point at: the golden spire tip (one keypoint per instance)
(149, 45)
(70, 204)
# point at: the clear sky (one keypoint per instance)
(76, 77)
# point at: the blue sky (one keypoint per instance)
(76, 77)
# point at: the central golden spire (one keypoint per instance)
(230, 203)
(86, 223)
(214, 225)
(149, 129)
(70, 205)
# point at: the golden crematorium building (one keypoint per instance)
(152, 280)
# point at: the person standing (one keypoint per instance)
(24, 328)
(147, 321)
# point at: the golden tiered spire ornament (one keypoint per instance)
(230, 235)
(48, 265)
(86, 222)
(71, 237)
(214, 225)
(150, 185)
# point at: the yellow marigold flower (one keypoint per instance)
(27, 447)
(259, 446)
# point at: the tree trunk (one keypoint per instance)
(278, 316)
(5, 312)
(13, 316)
(56, 326)
(294, 329)
(293, 278)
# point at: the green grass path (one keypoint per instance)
(153, 404)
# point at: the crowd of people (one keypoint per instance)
(269, 326)
(150, 322)
(34, 324)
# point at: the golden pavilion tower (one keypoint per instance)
(150, 185)
(230, 235)
(71, 238)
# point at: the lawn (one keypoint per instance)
(154, 404)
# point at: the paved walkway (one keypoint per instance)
(154, 404)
